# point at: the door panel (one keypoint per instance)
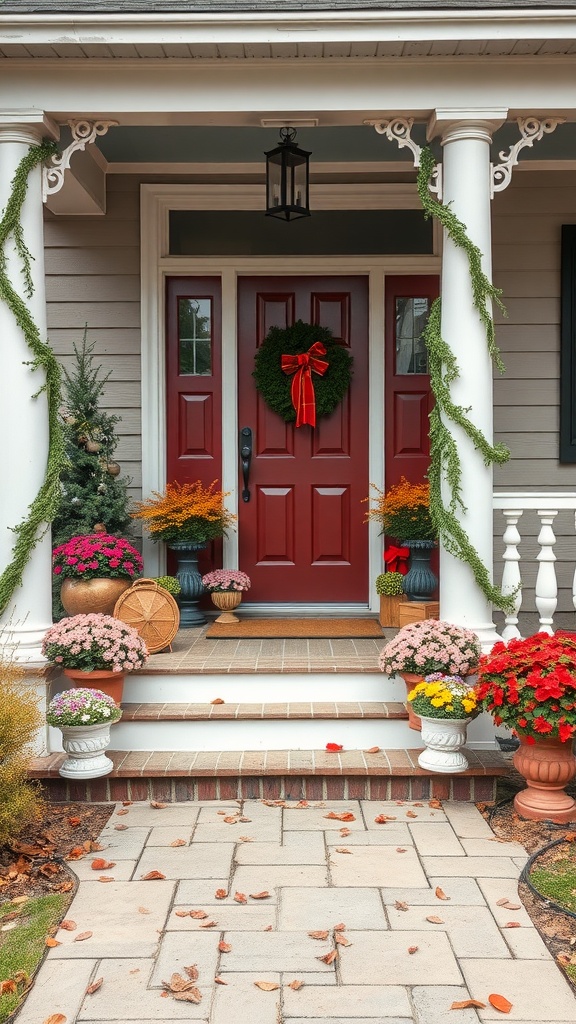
(302, 536)
(408, 398)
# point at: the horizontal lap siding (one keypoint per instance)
(526, 221)
(93, 278)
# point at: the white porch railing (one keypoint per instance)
(546, 505)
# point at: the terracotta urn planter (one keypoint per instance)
(226, 601)
(411, 678)
(109, 682)
(97, 596)
(548, 765)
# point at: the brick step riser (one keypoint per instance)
(260, 688)
(293, 787)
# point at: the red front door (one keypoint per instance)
(302, 537)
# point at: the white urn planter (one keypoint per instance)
(85, 746)
(443, 738)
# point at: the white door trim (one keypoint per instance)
(156, 265)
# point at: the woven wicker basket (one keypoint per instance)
(152, 611)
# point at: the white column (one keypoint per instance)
(23, 419)
(466, 137)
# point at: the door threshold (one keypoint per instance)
(318, 611)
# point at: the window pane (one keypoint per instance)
(411, 318)
(195, 337)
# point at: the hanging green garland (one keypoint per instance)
(45, 504)
(444, 457)
(275, 386)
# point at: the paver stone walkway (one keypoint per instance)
(409, 907)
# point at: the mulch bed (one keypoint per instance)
(556, 929)
(35, 863)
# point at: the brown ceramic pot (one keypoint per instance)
(226, 601)
(411, 678)
(547, 765)
(111, 683)
(98, 596)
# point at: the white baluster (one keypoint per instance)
(546, 586)
(511, 577)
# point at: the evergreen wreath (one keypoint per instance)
(45, 505)
(444, 458)
(274, 385)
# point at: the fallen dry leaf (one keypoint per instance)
(342, 849)
(401, 905)
(265, 895)
(94, 986)
(417, 804)
(341, 939)
(178, 842)
(512, 924)
(245, 839)
(200, 915)
(102, 865)
(345, 832)
(318, 935)
(345, 816)
(412, 949)
(463, 1004)
(120, 827)
(74, 822)
(63, 887)
(82, 936)
(340, 927)
(124, 811)
(244, 820)
(127, 803)
(295, 985)
(230, 820)
(437, 804)
(76, 853)
(329, 958)
(221, 894)
(504, 902)
(157, 805)
(401, 849)
(434, 920)
(151, 875)
(500, 1002)
(193, 995)
(217, 700)
(7, 987)
(106, 878)
(220, 981)
(333, 748)
(143, 910)
(182, 913)
(224, 947)
(208, 924)
(440, 894)
(383, 818)
(411, 814)
(68, 926)
(268, 928)
(192, 972)
(56, 1018)
(267, 986)
(90, 846)
(52, 942)
(372, 750)
(239, 897)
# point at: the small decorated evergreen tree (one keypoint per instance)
(93, 497)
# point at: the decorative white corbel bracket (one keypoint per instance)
(532, 129)
(83, 133)
(399, 130)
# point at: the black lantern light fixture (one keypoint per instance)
(287, 179)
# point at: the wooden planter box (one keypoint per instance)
(390, 609)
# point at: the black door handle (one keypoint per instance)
(246, 458)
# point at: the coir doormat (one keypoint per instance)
(288, 629)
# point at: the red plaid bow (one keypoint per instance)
(302, 366)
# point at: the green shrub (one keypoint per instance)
(389, 583)
(169, 583)
(19, 720)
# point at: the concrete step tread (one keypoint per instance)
(241, 763)
(301, 710)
